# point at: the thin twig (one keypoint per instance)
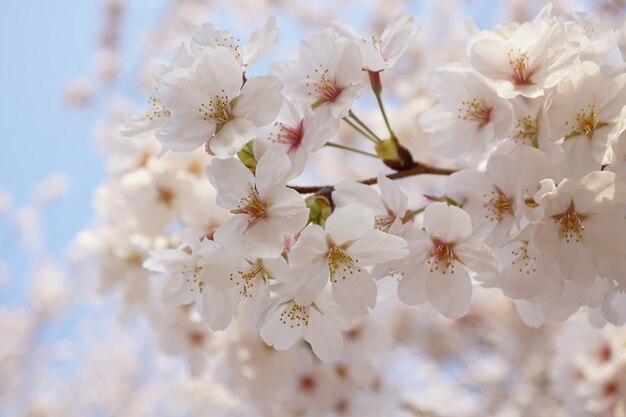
(417, 169)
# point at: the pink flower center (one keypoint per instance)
(521, 70)
(252, 206)
(571, 224)
(157, 110)
(475, 111)
(441, 257)
(326, 89)
(498, 205)
(196, 338)
(340, 264)
(295, 315)
(217, 110)
(246, 279)
(383, 222)
(291, 136)
(526, 130)
(523, 262)
(191, 274)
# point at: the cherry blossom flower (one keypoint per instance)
(588, 370)
(581, 227)
(524, 276)
(265, 210)
(156, 114)
(297, 133)
(318, 321)
(497, 199)
(535, 57)
(390, 206)
(199, 272)
(253, 281)
(585, 33)
(381, 53)
(441, 256)
(584, 113)
(211, 105)
(470, 115)
(339, 253)
(260, 43)
(327, 74)
(184, 334)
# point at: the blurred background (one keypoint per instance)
(70, 66)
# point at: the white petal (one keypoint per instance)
(349, 223)
(476, 256)
(310, 282)
(220, 74)
(281, 335)
(412, 287)
(232, 137)
(176, 293)
(218, 307)
(352, 192)
(342, 105)
(376, 247)
(354, 292)
(232, 180)
(261, 42)
(577, 264)
(449, 293)
(447, 223)
(348, 69)
(395, 200)
(272, 171)
(545, 241)
(260, 100)
(395, 37)
(310, 247)
(254, 307)
(220, 267)
(324, 336)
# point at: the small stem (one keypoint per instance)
(361, 131)
(347, 148)
(417, 169)
(382, 110)
(377, 88)
(363, 125)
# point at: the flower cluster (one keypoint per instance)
(532, 122)
(538, 123)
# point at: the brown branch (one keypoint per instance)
(416, 169)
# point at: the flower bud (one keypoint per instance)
(320, 209)
(246, 156)
(394, 155)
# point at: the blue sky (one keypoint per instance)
(44, 45)
(43, 49)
